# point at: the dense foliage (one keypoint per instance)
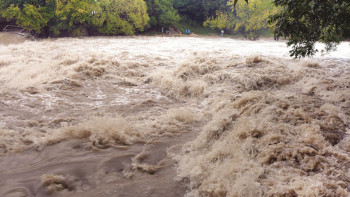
(73, 16)
(304, 22)
(248, 19)
(33, 16)
(111, 17)
(78, 17)
(162, 13)
(120, 16)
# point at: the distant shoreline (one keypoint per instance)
(11, 38)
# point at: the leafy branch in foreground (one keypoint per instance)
(304, 22)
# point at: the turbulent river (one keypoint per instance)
(172, 116)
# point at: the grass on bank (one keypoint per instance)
(199, 30)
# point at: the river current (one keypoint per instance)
(172, 116)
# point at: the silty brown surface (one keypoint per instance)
(153, 116)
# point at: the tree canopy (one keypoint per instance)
(73, 16)
(113, 17)
(304, 22)
(248, 19)
(162, 12)
(78, 17)
(33, 16)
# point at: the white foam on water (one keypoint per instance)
(266, 124)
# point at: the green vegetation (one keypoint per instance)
(73, 16)
(78, 17)
(248, 19)
(196, 28)
(162, 13)
(302, 22)
(32, 16)
(114, 17)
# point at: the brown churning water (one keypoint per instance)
(160, 116)
(7, 38)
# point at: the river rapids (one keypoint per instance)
(172, 116)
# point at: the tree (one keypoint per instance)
(32, 16)
(200, 10)
(304, 22)
(162, 13)
(77, 17)
(190, 10)
(248, 19)
(211, 7)
(73, 16)
(120, 16)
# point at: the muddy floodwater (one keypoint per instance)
(7, 38)
(172, 116)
